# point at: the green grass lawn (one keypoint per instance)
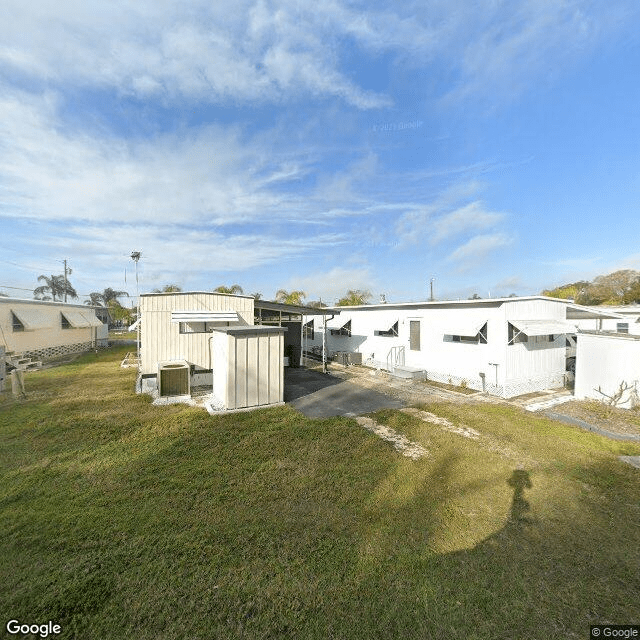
(124, 520)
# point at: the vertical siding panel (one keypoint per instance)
(232, 350)
(241, 371)
(263, 373)
(253, 370)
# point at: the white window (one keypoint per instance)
(389, 333)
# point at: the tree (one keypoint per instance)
(290, 297)
(256, 296)
(57, 286)
(632, 296)
(354, 297)
(316, 304)
(106, 298)
(234, 289)
(168, 288)
(3, 294)
(571, 291)
(475, 296)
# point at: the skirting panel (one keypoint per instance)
(48, 353)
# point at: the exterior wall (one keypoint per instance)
(47, 342)
(605, 361)
(495, 367)
(537, 364)
(161, 339)
(249, 369)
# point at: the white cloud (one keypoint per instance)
(270, 50)
(333, 284)
(472, 216)
(478, 248)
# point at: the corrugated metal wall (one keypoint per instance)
(254, 372)
(161, 339)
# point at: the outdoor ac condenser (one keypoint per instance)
(173, 379)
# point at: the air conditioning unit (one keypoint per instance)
(355, 358)
(173, 379)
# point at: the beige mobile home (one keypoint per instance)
(41, 330)
(211, 340)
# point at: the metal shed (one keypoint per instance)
(248, 366)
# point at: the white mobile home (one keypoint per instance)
(42, 330)
(608, 365)
(506, 346)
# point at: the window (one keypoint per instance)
(551, 337)
(309, 331)
(17, 325)
(516, 336)
(344, 330)
(479, 338)
(64, 322)
(622, 327)
(392, 332)
(414, 335)
(200, 327)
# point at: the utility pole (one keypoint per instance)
(66, 283)
(431, 283)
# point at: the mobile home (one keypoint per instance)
(503, 346)
(41, 330)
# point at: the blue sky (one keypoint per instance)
(492, 146)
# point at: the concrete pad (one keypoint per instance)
(321, 395)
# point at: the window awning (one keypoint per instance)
(204, 316)
(464, 327)
(81, 319)
(543, 327)
(33, 319)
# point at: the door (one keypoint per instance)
(414, 335)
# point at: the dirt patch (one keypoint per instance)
(620, 421)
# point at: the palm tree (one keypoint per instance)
(354, 298)
(169, 288)
(108, 298)
(256, 296)
(234, 289)
(57, 286)
(95, 299)
(290, 297)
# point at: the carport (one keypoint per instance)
(290, 316)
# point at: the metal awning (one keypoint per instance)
(543, 327)
(204, 316)
(81, 319)
(33, 319)
(463, 327)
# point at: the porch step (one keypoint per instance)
(409, 373)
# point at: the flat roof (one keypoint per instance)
(293, 308)
(251, 328)
(191, 293)
(610, 334)
(52, 303)
(480, 302)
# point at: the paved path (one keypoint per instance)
(321, 395)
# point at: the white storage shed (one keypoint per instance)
(608, 364)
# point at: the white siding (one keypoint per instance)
(496, 367)
(248, 370)
(606, 361)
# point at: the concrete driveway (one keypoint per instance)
(321, 395)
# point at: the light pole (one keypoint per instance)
(135, 256)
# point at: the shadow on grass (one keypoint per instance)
(270, 525)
